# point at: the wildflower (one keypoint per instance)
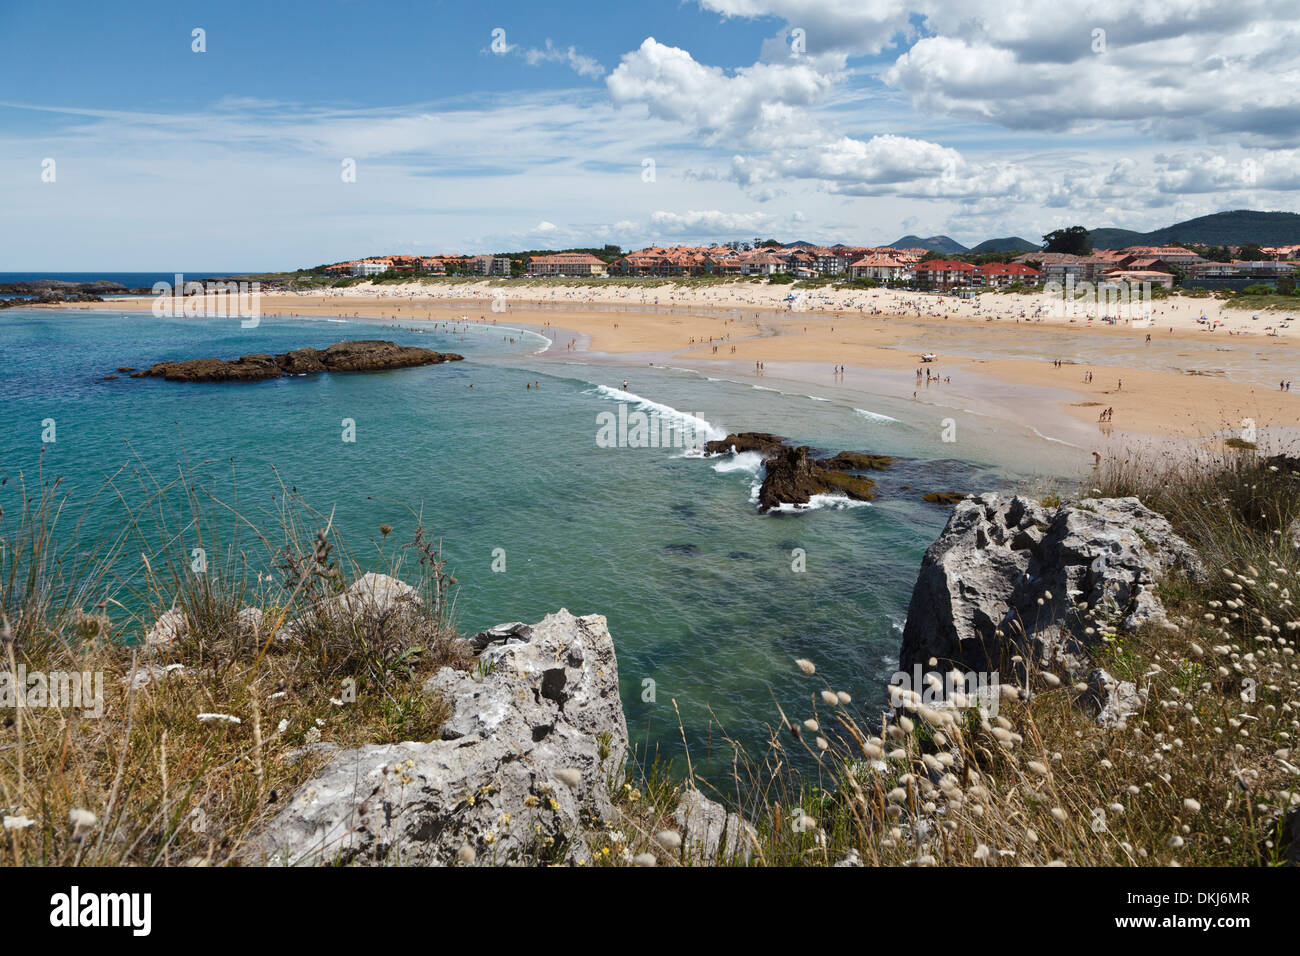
(645, 859)
(844, 698)
(465, 855)
(670, 840)
(570, 777)
(981, 852)
(81, 819)
(282, 726)
(830, 698)
(811, 725)
(803, 823)
(18, 822)
(1037, 768)
(1191, 806)
(822, 744)
(807, 666)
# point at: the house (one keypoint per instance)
(371, 267)
(1173, 255)
(1059, 266)
(489, 266)
(946, 274)
(763, 263)
(567, 264)
(881, 267)
(998, 275)
(1237, 274)
(1139, 276)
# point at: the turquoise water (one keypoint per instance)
(698, 588)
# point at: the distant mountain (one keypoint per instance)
(1220, 229)
(1117, 238)
(1009, 244)
(801, 242)
(940, 244)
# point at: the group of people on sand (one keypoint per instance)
(1284, 386)
(1106, 415)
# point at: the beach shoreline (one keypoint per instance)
(1169, 384)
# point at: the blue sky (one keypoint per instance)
(856, 120)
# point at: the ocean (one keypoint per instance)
(709, 602)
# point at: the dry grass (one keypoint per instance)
(149, 782)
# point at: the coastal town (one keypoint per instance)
(912, 267)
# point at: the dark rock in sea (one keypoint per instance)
(364, 355)
(944, 497)
(746, 441)
(793, 477)
(682, 549)
(857, 461)
(1009, 576)
(125, 368)
(49, 298)
(109, 378)
(740, 556)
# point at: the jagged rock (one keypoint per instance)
(741, 442)
(376, 595)
(250, 619)
(793, 477)
(169, 628)
(856, 461)
(709, 833)
(1109, 700)
(362, 355)
(944, 497)
(975, 602)
(536, 739)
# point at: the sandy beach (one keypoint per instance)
(1169, 377)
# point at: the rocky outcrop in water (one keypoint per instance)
(362, 355)
(1008, 576)
(523, 767)
(741, 442)
(794, 477)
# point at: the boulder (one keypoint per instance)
(793, 477)
(523, 767)
(362, 355)
(1112, 702)
(741, 442)
(169, 627)
(976, 601)
(710, 834)
(856, 461)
